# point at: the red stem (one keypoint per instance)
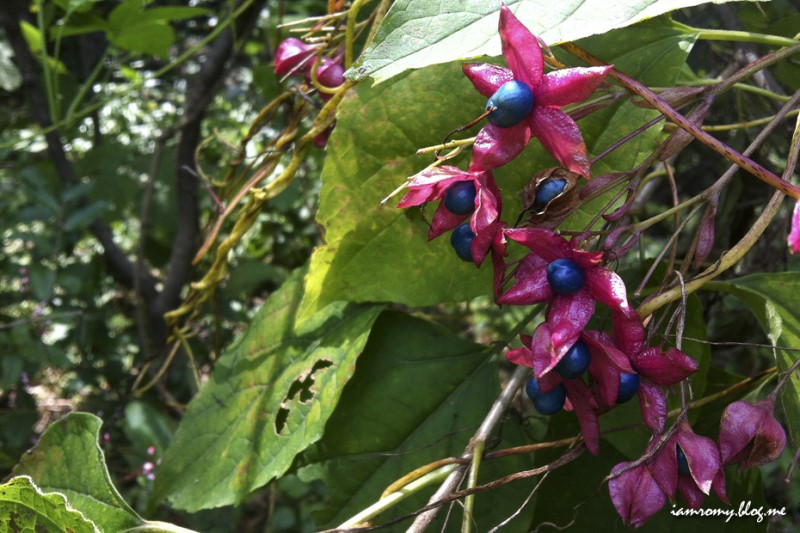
(718, 146)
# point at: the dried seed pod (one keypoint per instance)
(550, 197)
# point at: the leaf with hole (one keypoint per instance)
(268, 399)
(418, 395)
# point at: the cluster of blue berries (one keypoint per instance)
(566, 277)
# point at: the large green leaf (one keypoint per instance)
(418, 394)
(23, 507)
(420, 33)
(68, 459)
(267, 400)
(773, 299)
(375, 253)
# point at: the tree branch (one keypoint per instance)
(202, 89)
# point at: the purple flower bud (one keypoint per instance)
(291, 56)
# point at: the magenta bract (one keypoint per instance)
(794, 234)
(640, 492)
(557, 131)
(749, 434)
(431, 184)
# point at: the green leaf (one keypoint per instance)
(419, 33)
(418, 395)
(150, 38)
(86, 215)
(773, 299)
(375, 253)
(23, 508)
(267, 400)
(68, 459)
(174, 13)
(79, 6)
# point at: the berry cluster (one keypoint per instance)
(585, 371)
(296, 58)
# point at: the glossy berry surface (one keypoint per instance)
(565, 276)
(548, 403)
(575, 361)
(683, 464)
(628, 385)
(548, 190)
(459, 198)
(461, 239)
(514, 101)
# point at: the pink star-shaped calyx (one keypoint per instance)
(557, 131)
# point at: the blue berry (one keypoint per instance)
(683, 464)
(514, 102)
(628, 385)
(461, 239)
(575, 361)
(548, 403)
(548, 190)
(565, 276)
(459, 198)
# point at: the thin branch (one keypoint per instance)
(202, 89)
(718, 146)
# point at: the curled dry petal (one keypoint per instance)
(666, 368)
(750, 435)
(498, 263)
(635, 494)
(705, 236)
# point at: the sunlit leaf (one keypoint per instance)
(68, 459)
(419, 33)
(23, 507)
(267, 400)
